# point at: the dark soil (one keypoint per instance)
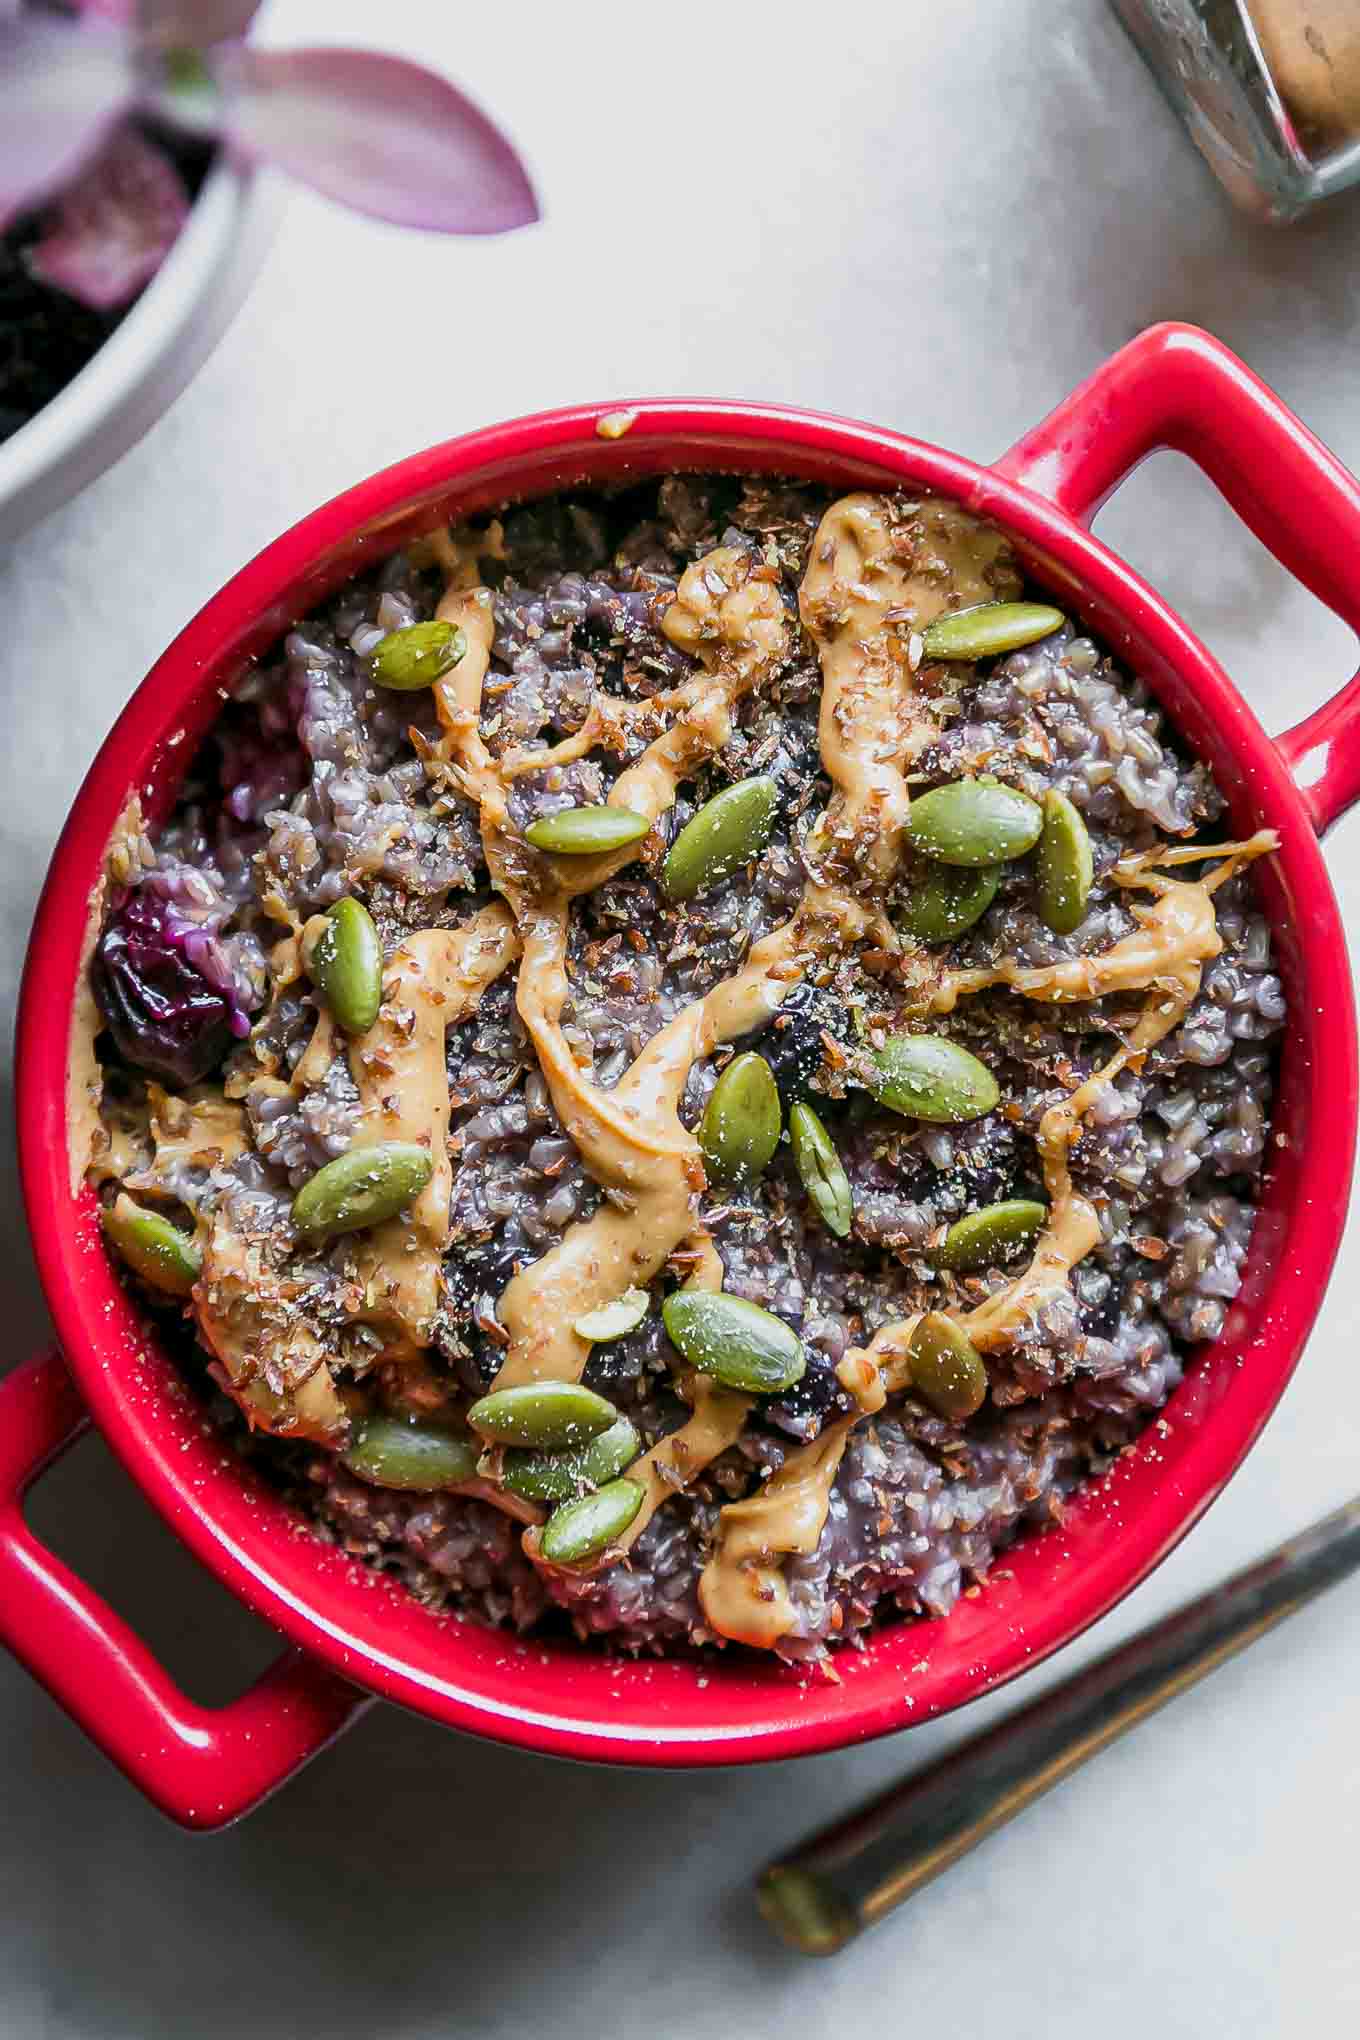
(46, 337)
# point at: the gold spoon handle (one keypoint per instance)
(851, 1875)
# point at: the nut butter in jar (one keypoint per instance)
(1268, 89)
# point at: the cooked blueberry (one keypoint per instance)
(163, 1013)
(478, 1270)
(803, 1409)
(621, 1361)
(983, 1170)
(791, 1041)
(475, 1273)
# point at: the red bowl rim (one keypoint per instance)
(557, 1698)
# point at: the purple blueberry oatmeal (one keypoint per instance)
(689, 1063)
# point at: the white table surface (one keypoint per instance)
(939, 217)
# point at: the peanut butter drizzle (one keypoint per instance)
(742, 1589)
(677, 1460)
(462, 750)
(203, 1127)
(1167, 955)
(874, 577)
(201, 1130)
(1175, 939)
(269, 1358)
(434, 979)
(632, 1140)
(316, 1057)
(878, 573)
(673, 1463)
(733, 621)
(731, 617)
(248, 1311)
(85, 1133)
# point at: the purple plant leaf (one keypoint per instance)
(107, 235)
(380, 134)
(62, 87)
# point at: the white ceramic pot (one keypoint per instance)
(146, 362)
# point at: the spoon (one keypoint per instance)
(853, 1874)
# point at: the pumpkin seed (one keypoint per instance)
(947, 1369)
(561, 1476)
(422, 1457)
(581, 1530)
(736, 1342)
(416, 656)
(727, 830)
(1065, 864)
(742, 1121)
(346, 965)
(986, 1237)
(362, 1188)
(550, 1415)
(950, 899)
(159, 1252)
(819, 1165)
(974, 822)
(612, 1320)
(990, 628)
(586, 831)
(927, 1076)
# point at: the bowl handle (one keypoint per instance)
(1177, 387)
(204, 1766)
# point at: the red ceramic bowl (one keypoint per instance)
(352, 1638)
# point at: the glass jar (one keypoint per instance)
(1268, 89)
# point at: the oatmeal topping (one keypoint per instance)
(303, 1332)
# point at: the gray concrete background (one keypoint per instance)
(939, 218)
